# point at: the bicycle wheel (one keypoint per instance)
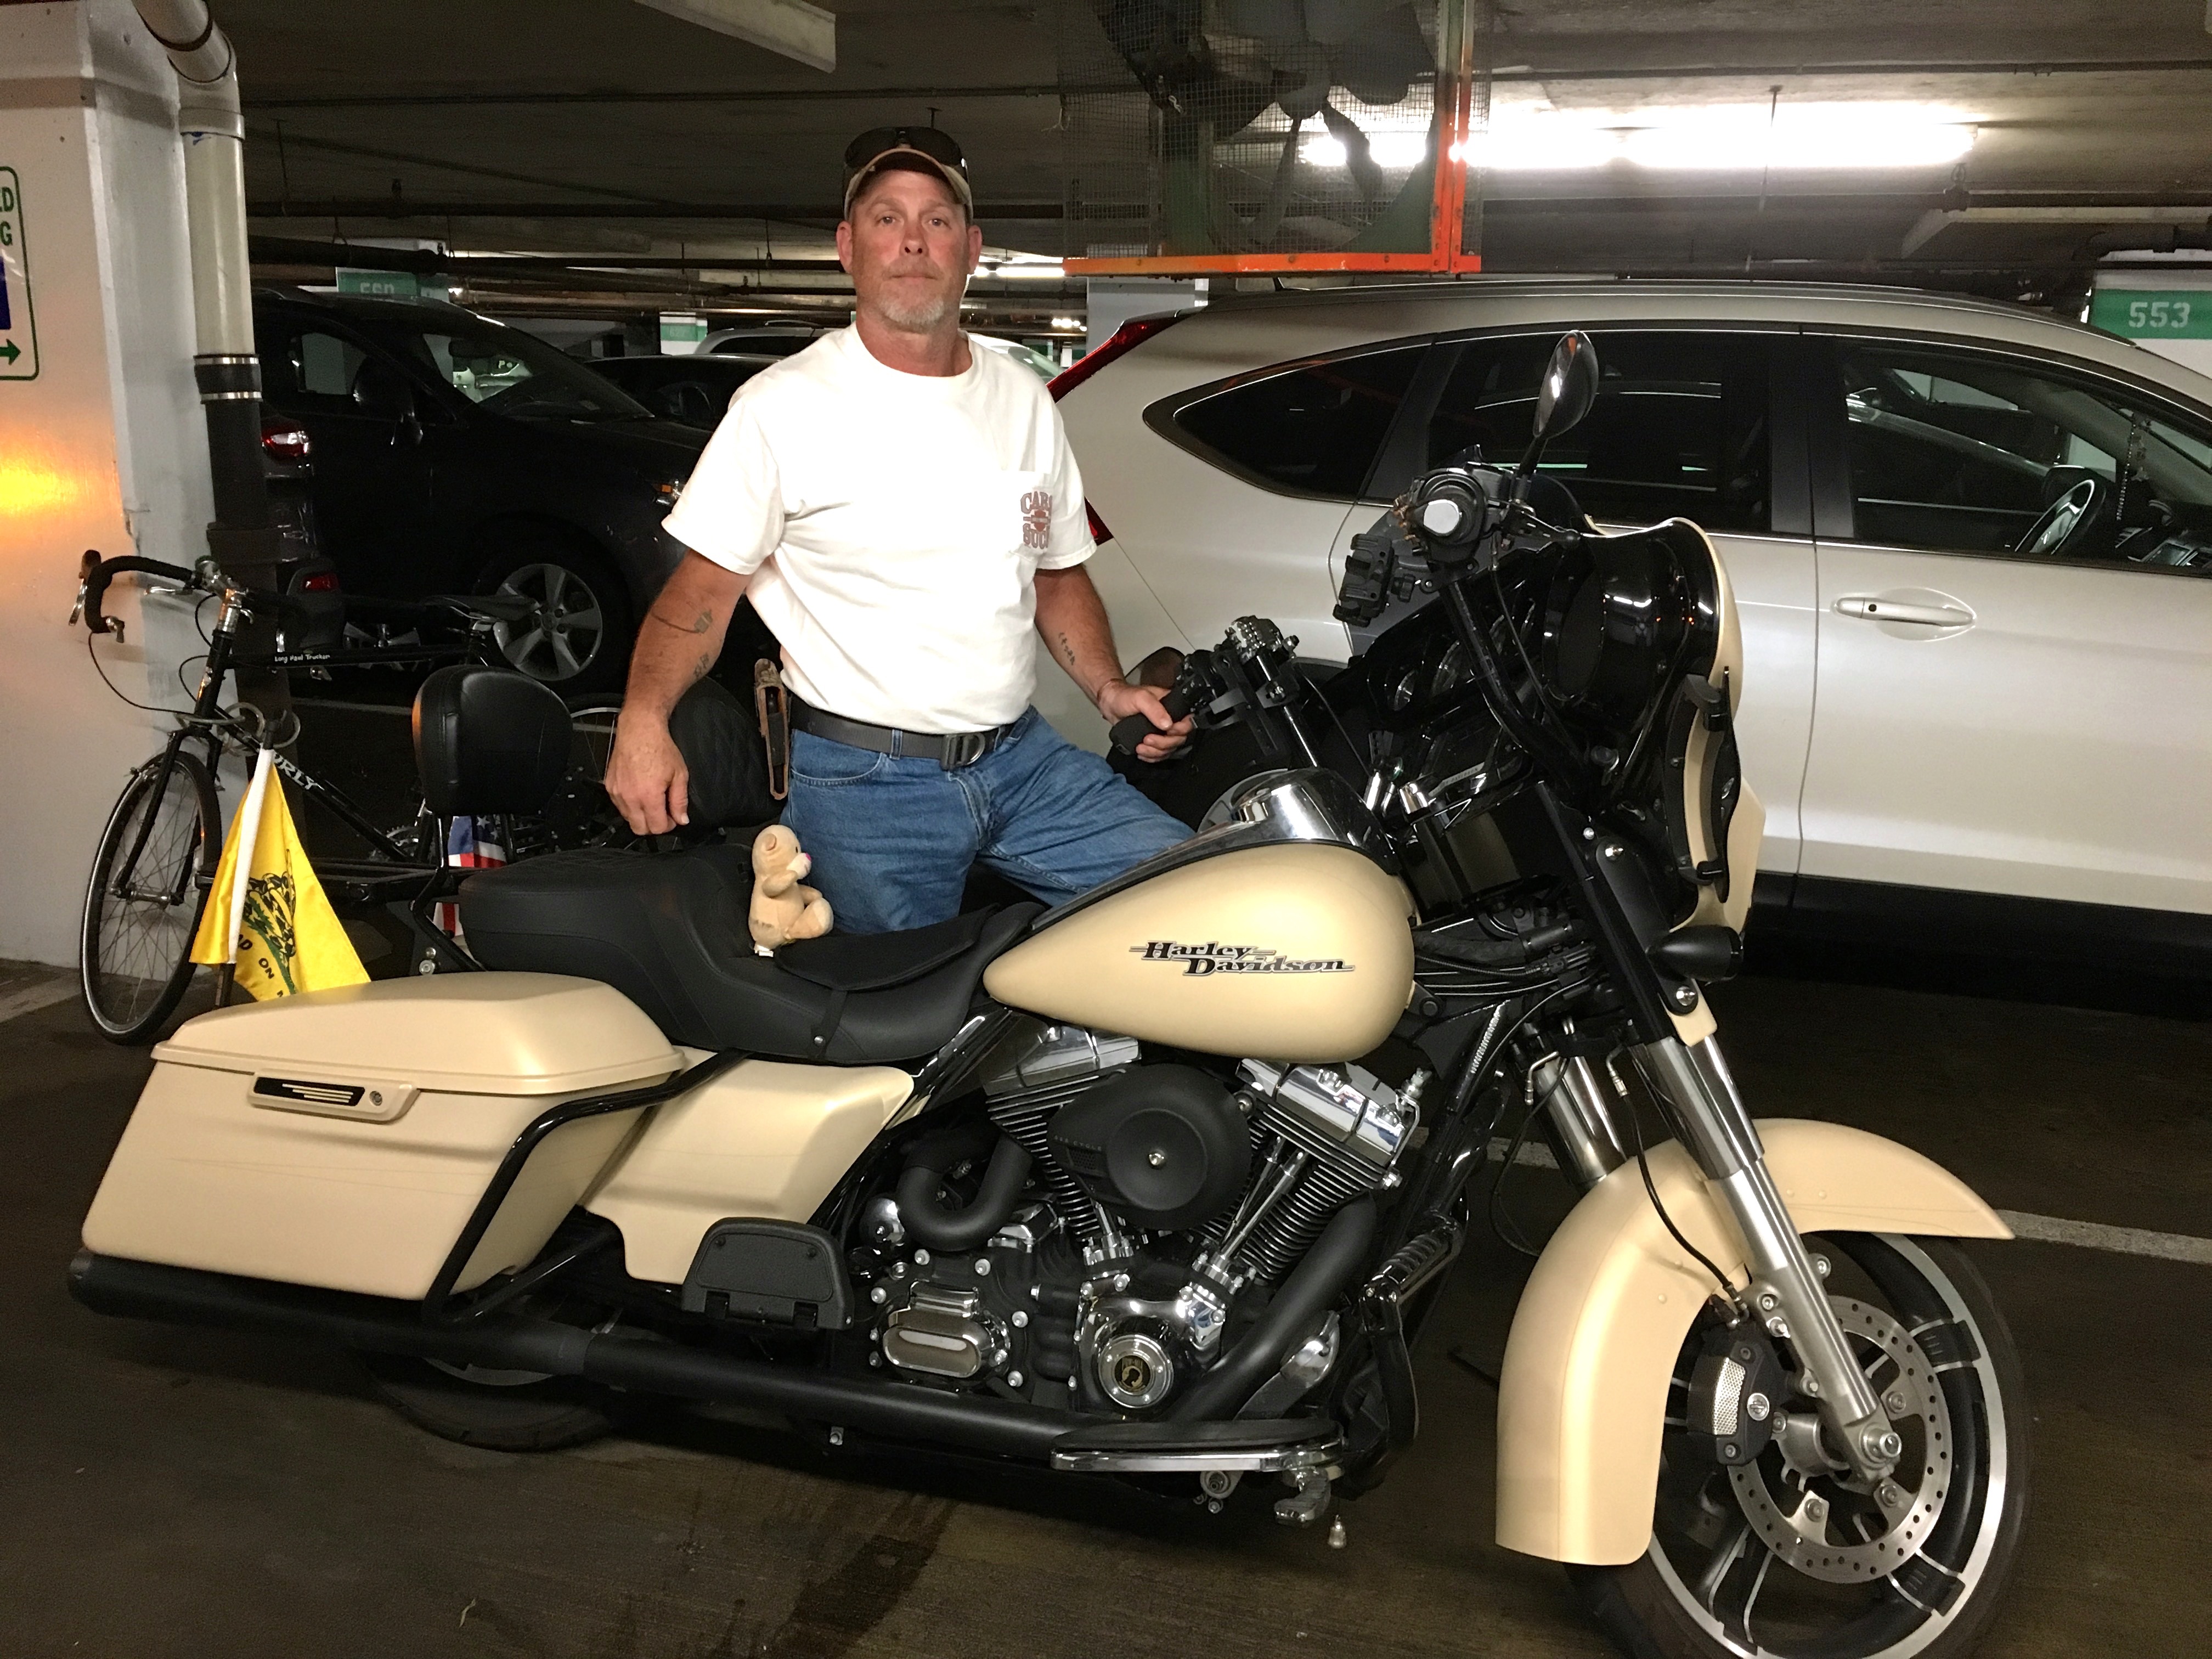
(149, 882)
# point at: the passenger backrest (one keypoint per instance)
(489, 740)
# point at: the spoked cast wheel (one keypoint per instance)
(1791, 1556)
(142, 906)
(579, 639)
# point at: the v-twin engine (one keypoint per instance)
(1322, 1136)
(1167, 1194)
(1319, 1137)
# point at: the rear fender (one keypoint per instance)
(1583, 1389)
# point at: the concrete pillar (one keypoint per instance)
(102, 448)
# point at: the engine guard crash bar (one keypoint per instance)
(1420, 1261)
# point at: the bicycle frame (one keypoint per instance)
(210, 725)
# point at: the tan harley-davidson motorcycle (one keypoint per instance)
(1161, 1184)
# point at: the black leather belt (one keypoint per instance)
(949, 750)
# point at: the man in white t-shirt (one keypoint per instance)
(902, 510)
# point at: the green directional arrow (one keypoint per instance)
(10, 350)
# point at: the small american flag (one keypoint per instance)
(469, 846)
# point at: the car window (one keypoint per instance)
(1679, 428)
(1314, 430)
(312, 370)
(694, 391)
(1972, 452)
(512, 373)
(765, 345)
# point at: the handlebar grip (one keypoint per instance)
(94, 574)
(1132, 729)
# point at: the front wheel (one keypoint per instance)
(150, 874)
(1790, 1556)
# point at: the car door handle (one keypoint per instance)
(1897, 611)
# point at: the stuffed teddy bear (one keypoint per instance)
(782, 910)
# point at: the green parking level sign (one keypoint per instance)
(19, 336)
(2153, 315)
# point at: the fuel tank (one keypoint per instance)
(1296, 951)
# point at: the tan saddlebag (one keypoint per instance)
(342, 1138)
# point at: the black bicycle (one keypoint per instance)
(156, 859)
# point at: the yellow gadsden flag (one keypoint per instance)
(267, 911)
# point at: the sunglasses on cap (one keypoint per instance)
(878, 144)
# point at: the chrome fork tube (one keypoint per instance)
(1786, 1289)
(1583, 1117)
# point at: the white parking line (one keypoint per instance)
(2043, 1229)
(31, 998)
(2095, 1236)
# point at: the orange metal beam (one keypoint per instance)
(1247, 264)
(1447, 208)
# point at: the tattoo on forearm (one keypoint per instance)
(699, 668)
(700, 625)
(1066, 649)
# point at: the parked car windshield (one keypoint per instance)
(511, 372)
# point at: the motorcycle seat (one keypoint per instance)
(668, 931)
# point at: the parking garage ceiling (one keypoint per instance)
(554, 130)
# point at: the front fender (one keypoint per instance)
(1595, 1338)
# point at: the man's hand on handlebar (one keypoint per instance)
(647, 779)
(1118, 700)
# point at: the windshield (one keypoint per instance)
(512, 373)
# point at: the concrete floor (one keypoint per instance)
(169, 1493)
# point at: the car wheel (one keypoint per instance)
(579, 639)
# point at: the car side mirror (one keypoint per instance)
(1569, 387)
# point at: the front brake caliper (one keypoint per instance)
(1736, 1390)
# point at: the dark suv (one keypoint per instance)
(449, 453)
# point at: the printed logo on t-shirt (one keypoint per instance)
(1037, 519)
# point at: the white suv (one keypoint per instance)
(1971, 546)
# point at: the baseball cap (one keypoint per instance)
(938, 151)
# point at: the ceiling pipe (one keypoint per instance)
(1017, 90)
(2146, 238)
(224, 365)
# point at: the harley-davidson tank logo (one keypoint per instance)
(1198, 960)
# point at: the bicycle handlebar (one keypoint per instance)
(94, 574)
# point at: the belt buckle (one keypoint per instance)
(963, 749)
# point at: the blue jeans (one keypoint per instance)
(892, 836)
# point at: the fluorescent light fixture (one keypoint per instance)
(1803, 136)
(1068, 322)
(1397, 150)
(1037, 270)
(1800, 137)
(1551, 140)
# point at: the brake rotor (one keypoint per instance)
(1818, 1523)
